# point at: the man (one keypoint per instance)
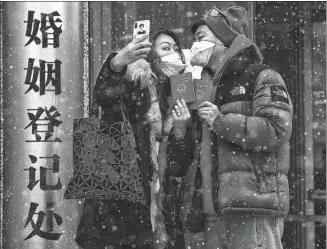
(249, 121)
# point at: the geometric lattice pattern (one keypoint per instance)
(105, 162)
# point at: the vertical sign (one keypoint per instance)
(44, 78)
(43, 92)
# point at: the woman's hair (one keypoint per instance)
(154, 35)
(163, 86)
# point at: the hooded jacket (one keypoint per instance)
(249, 137)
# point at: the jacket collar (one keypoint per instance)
(240, 43)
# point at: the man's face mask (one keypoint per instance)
(201, 52)
(172, 64)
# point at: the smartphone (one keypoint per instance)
(141, 28)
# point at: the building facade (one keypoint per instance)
(291, 36)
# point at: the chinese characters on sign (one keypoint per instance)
(50, 215)
(46, 77)
(43, 171)
(43, 121)
(48, 37)
(49, 122)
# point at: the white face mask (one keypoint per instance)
(172, 58)
(201, 52)
(172, 64)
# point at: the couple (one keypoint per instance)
(234, 147)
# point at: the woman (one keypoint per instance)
(133, 84)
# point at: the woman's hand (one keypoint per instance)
(208, 112)
(137, 49)
(181, 116)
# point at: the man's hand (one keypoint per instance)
(208, 112)
(181, 116)
(134, 51)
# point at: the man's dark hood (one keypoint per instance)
(233, 54)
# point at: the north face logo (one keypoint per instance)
(237, 90)
(278, 93)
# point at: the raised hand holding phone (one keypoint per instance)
(135, 50)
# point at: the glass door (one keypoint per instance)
(292, 37)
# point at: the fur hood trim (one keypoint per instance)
(141, 74)
(140, 71)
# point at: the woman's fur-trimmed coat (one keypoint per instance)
(135, 86)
